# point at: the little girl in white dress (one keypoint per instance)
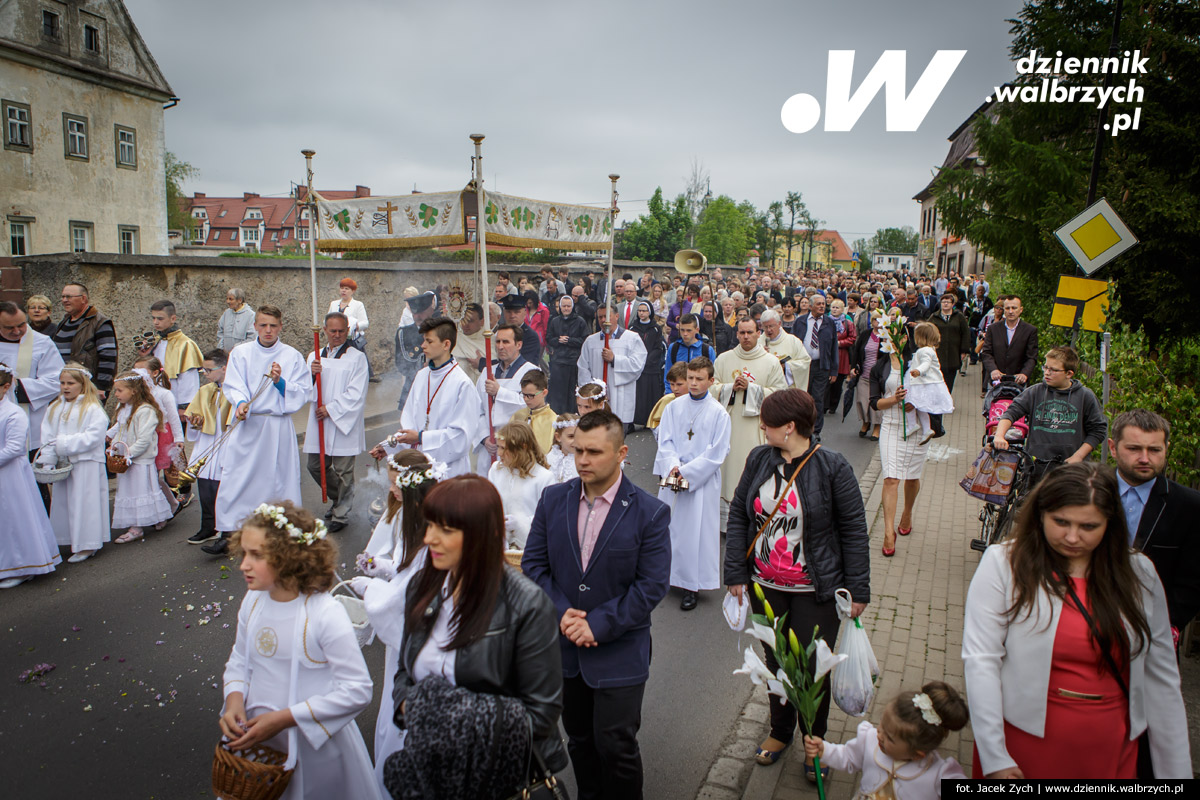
(139, 501)
(520, 474)
(898, 760)
(561, 458)
(394, 554)
(296, 679)
(926, 387)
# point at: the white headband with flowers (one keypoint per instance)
(566, 423)
(6, 368)
(83, 370)
(418, 474)
(279, 519)
(603, 391)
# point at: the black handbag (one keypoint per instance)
(545, 787)
(1145, 766)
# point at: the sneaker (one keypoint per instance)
(200, 537)
(217, 548)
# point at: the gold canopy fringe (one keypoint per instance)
(406, 243)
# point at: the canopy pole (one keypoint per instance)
(310, 202)
(481, 252)
(612, 234)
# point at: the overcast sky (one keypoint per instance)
(387, 91)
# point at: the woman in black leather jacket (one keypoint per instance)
(480, 625)
(813, 544)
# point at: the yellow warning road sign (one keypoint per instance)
(1096, 236)
(1081, 298)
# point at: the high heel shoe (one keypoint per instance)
(904, 531)
(889, 551)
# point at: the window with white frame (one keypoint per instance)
(18, 133)
(128, 237)
(254, 213)
(250, 235)
(75, 136)
(303, 234)
(126, 147)
(18, 238)
(81, 237)
(286, 232)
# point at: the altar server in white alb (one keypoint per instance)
(625, 355)
(35, 363)
(180, 356)
(73, 431)
(209, 415)
(343, 373)
(27, 547)
(439, 415)
(503, 391)
(261, 461)
(693, 441)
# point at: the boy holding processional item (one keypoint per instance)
(209, 415)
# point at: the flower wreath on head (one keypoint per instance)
(566, 423)
(6, 368)
(83, 370)
(418, 474)
(603, 391)
(279, 519)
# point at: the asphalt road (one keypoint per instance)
(138, 637)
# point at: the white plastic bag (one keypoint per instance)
(853, 680)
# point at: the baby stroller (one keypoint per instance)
(999, 397)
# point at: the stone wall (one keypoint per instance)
(123, 287)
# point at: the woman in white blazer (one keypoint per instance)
(356, 315)
(1044, 702)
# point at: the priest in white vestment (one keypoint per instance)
(439, 416)
(746, 375)
(504, 389)
(693, 442)
(470, 351)
(261, 462)
(344, 375)
(790, 351)
(36, 364)
(626, 356)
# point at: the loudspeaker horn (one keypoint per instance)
(690, 262)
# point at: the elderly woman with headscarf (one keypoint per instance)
(650, 384)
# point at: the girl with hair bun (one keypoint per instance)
(899, 759)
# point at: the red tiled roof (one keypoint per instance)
(841, 251)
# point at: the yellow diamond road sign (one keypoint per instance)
(1081, 300)
(1096, 236)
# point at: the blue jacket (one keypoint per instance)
(678, 351)
(826, 341)
(627, 576)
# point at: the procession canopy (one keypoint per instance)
(440, 218)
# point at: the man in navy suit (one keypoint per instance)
(818, 333)
(600, 547)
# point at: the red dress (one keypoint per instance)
(1085, 738)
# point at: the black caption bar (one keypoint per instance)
(1068, 788)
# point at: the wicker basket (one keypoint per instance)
(116, 458)
(513, 558)
(44, 474)
(257, 773)
(357, 611)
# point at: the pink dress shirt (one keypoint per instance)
(591, 520)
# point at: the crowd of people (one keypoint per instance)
(514, 568)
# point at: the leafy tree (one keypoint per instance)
(725, 231)
(795, 206)
(811, 225)
(1037, 159)
(863, 248)
(775, 221)
(178, 213)
(657, 235)
(895, 240)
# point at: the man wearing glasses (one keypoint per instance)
(87, 337)
(1065, 420)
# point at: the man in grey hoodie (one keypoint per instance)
(1064, 416)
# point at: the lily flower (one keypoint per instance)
(762, 633)
(826, 660)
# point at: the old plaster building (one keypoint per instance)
(81, 102)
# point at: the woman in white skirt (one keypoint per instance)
(139, 501)
(901, 450)
(27, 547)
(73, 429)
(394, 554)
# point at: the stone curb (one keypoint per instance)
(733, 773)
